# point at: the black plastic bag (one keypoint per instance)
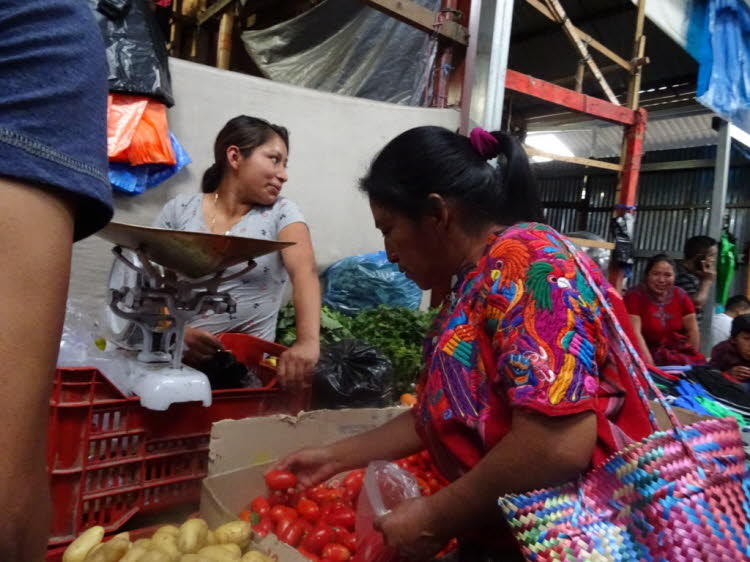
(352, 374)
(136, 50)
(224, 372)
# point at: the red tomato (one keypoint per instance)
(306, 526)
(275, 498)
(244, 515)
(280, 480)
(325, 511)
(283, 525)
(353, 483)
(308, 555)
(336, 552)
(349, 540)
(316, 539)
(343, 517)
(260, 506)
(318, 493)
(264, 527)
(279, 512)
(292, 533)
(402, 463)
(424, 487)
(308, 509)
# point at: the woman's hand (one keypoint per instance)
(296, 364)
(200, 346)
(410, 528)
(742, 374)
(312, 465)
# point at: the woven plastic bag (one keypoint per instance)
(676, 496)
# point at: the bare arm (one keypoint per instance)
(690, 325)
(297, 364)
(393, 440)
(700, 297)
(538, 452)
(635, 320)
(36, 241)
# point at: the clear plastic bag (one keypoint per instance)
(385, 486)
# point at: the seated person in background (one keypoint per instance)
(663, 317)
(241, 197)
(721, 327)
(733, 355)
(697, 271)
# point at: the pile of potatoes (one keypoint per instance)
(192, 542)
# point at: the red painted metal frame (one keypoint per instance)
(571, 99)
(635, 127)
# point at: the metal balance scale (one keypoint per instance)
(160, 280)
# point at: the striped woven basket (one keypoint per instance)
(651, 501)
(676, 496)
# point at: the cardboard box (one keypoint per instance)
(242, 450)
(686, 417)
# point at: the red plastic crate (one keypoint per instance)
(109, 458)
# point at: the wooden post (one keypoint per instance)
(573, 33)
(224, 41)
(639, 51)
(580, 71)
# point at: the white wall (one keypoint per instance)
(333, 138)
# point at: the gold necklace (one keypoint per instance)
(216, 212)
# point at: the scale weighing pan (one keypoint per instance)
(194, 254)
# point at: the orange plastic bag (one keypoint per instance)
(124, 112)
(151, 143)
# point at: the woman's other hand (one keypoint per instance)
(740, 373)
(311, 465)
(200, 346)
(410, 529)
(296, 364)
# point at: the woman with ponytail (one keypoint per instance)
(526, 384)
(241, 197)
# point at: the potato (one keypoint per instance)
(211, 538)
(255, 556)
(145, 543)
(79, 548)
(194, 558)
(192, 536)
(167, 543)
(232, 548)
(110, 551)
(167, 530)
(218, 553)
(237, 532)
(155, 555)
(136, 551)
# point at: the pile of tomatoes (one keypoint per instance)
(319, 521)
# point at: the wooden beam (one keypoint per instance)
(207, 13)
(420, 17)
(573, 34)
(531, 151)
(585, 37)
(564, 97)
(583, 242)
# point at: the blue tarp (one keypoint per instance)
(719, 39)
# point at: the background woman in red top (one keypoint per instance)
(664, 317)
(526, 383)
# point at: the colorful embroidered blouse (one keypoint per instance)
(524, 329)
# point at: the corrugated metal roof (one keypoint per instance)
(664, 134)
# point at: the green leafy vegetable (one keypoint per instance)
(397, 332)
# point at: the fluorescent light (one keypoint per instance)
(548, 142)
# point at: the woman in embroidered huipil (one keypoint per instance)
(526, 383)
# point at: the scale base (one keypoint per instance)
(160, 385)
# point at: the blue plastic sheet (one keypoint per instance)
(134, 180)
(367, 281)
(719, 38)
